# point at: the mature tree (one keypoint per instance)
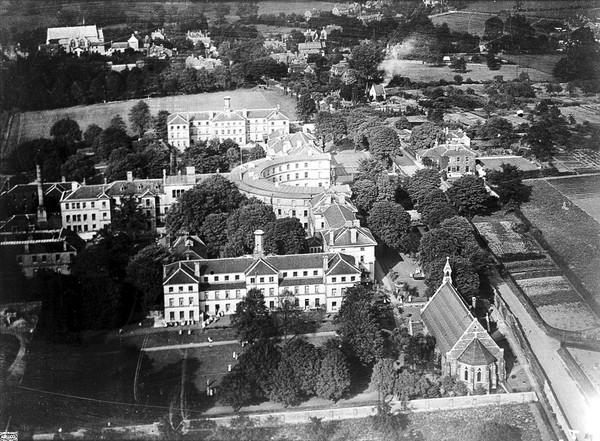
(497, 129)
(160, 124)
(370, 168)
(334, 377)
(423, 183)
(233, 157)
(330, 126)
(288, 315)
(116, 122)
(454, 237)
(469, 195)
(78, 167)
(214, 195)
(140, 117)
(364, 194)
(425, 135)
(305, 360)
(434, 214)
(252, 320)
(384, 376)
(464, 276)
(383, 143)
(285, 236)
(366, 58)
(145, 273)
(110, 140)
(358, 323)
(258, 363)
(508, 183)
(242, 224)
(406, 385)
(360, 134)
(494, 26)
(458, 64)
(306, 107)
(213, 232)
(390, 222)
(129, 218)
(235, 390)
(66, 131)
(256, 152)
(91, 133)
(493, 63)
(403, 123)
(284, 387)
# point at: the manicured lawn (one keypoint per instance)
(570, 231)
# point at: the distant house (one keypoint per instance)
(377, 92)
(135, 42)
(299, 143)
(312, 47)
(50, 250)
(85, 38)
(187, 247)
(467, 349)
(192, 62)
(337, 70)
(159, 51)
(455, 158)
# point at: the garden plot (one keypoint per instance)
(584, 191)
(548, 291)
(506, 243)
(558, 304)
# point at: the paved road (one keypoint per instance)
(224, 343)
(570, 397)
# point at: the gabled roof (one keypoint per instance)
(189, 247)
(177, 119)
(137, 187)
(476, 354)
(342, 236)
(378, 89)
(261, 267)
(179, 273)
(446, 150)
(66, 32)
(277, 115)
(341, 264)
(298, 143)
(446, 316)
(231, 115)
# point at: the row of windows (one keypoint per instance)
(293, 214)
(456, 168)
(81, 228)
(44, 258)
(79, 205)
(182, 315)
(181, 301)
(78, 217)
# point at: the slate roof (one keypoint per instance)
(240, 284)
(261, 267)
(294, 281)
(298, 143)
(67, 32)
(177, 119)
(138, 186)
(446, 317)
(229, 116)
(476, 354)
(86, 192)
(337, 215)
(446, 150)
(181, 277)
(189, 247)
(342, 237)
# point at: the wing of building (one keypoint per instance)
(240, 125)
(193, 288)
(467, 349)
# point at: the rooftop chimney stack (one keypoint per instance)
(258, 244)
(129, 176)
(227, 104)
(42, 218)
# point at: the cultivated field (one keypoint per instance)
(584, 191)
(506, 243)
(569, 230)
(38, 124)
(417, 71)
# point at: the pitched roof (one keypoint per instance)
(446, 316)
(181, 277)
(189, 246)
(342, 264)
(231, 115)
(445, 150)
(261, 267)
(86, 192)
(137, 186)
(343, 236)
(337, 215)
(177, 118)
(476, 354)
(66, 32)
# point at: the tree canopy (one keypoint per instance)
(508, 183)
(140, 117)
(390, 222)
(469, 195)
(252, 320)
(285, 236)
(425, 135)
(383, 143)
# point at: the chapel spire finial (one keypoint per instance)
(447, 272)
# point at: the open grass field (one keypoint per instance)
(584, 191)
(543, 63)
(289, 7)
(417, 71)
(568, 229)
(38, 124)
(545, 6)
(473, 23)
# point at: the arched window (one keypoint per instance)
(479, 374)
(466, 373)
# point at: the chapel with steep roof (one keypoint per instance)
(467, 349)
